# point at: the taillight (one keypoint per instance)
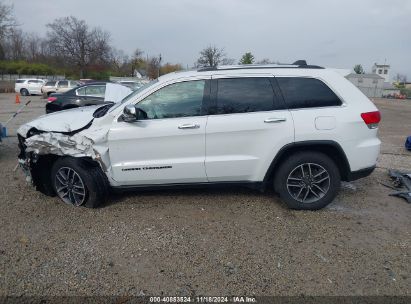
(371, 119)
(51, 99)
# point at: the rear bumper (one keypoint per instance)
(50, 108)
(354, 175)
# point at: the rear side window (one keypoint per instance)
(242, 95)
(307, 93)
(20, 81)
(96, 90)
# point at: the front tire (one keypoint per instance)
(307, 181)
(78, 183)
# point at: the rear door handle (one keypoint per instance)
(275, 120)
(189, 126)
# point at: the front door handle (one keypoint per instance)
(275, 120)
(189, 126)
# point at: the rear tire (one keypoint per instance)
(24, 92)
(307, 181)
(79, 183)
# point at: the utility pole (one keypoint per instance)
(159, 65)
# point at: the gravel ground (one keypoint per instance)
(207, 242)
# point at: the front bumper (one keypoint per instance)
(25, 167)
(24, 160)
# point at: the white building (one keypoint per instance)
(372, 85)
(382, 70)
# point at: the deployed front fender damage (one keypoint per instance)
(82, 142)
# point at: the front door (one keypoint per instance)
(169, 146)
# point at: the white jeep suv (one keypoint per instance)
(29, 86)
(298, 128)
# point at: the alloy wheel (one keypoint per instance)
(308, 183)
(70, 187)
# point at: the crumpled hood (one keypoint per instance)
(62, 121)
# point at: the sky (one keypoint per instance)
(331, 33)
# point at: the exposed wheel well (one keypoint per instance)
(330, 148)
(41, 171)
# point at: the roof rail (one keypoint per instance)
(299, 64)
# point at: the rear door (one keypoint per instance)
(34, 86)
(247, 126)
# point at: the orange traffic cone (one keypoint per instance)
(17, 98)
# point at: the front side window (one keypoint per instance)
(63, 84)
(242, 95)
(182, 99)
(307, 93)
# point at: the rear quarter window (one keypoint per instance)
(20, 81)
(301, 92)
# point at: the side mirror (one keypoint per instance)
(131, 113)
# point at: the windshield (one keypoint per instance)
(134, 93)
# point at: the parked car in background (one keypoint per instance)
(47, 87)
(92, 93)
(28, 86)
(59, 86)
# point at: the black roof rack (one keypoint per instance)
(299, 64)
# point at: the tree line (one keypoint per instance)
(74, 48)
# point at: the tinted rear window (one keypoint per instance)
(242, 95)
(50, 83)
(307, 93)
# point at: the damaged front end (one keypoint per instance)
(36, 168)
(40, 148)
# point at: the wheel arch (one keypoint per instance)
(41, 170)
(328, 147)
